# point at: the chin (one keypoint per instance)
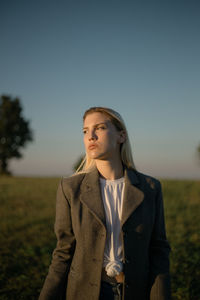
(93, 155)
(96, 156)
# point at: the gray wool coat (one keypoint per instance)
(80, 227)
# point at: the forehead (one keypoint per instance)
(95, 118)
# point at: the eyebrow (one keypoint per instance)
(96, 125)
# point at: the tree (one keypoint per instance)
(14, 131)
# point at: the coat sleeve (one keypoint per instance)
(55, 283)
(159, 254)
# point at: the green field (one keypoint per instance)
(27, 238)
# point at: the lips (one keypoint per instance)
(93, 146)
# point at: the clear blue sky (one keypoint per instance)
(141, 58)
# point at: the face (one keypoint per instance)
(101, 138)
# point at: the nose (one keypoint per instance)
(92, 136)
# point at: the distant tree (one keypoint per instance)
(14, 131)
(78, 162)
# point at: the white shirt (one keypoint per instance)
(112, 194)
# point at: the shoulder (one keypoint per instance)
(78, 182)
(71, 185)
(148, 181)
(72, 181)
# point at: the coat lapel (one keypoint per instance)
(133, 196)
(91, 195)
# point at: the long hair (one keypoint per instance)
(88, 163)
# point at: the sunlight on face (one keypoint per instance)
(101, 138)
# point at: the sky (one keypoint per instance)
(140, 58)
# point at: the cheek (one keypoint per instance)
(112, 139)
(106, 139)
(85, 142)
(114, 144)
(110, 142)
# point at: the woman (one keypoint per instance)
(111, 240)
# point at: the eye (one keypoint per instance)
(102, 127)
(84, 131)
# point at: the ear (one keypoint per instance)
(122, 137)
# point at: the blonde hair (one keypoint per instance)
(126, 154)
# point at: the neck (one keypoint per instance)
(109, 169)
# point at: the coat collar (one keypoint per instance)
(91, 195)
(133, 196)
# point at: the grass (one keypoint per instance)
(27, 237)
(182, 211)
